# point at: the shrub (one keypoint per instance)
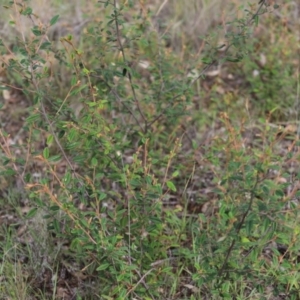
(104, 129)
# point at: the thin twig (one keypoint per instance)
(141, 280)
(121, 48)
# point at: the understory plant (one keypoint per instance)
(104, 130)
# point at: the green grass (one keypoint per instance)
(121, 178)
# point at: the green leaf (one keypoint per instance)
(49, 139)
(54, 208)
(206, 60)
(175, 174)
(76, 91)
(67, 178)
(171, 186)
(249, 225)
(61, 133)
(233, 59)
(8, 172)
(256, 20)
(73, 81)
(54, 158)
(33, 118)
(109, 23)
(75, 244)
(46, 152)
(79, 158)
(245, 240)
(31, 213)
(84, 223)
(86, 71)
(35, 30)
(94, 162)
(45, 46)
(27, 11)
(91, 104)
(135, 183)
(72, 145)
(103, 267)
(56, 226)
(6, 161)
(54, 20)
(102, 196)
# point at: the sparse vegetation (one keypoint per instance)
(144, 156)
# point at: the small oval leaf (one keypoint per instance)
(171, 186)
(31, 213)
(54, 20)
(46, 153)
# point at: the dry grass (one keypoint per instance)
(187, 22)
(183, 21)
